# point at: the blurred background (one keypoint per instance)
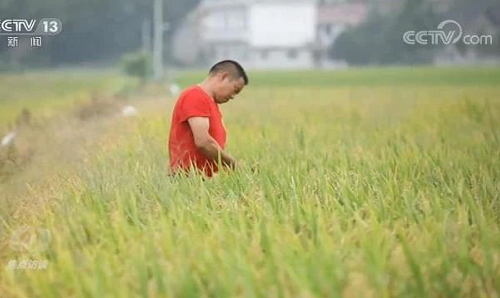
(370, 165)
(262, 34)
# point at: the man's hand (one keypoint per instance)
(207, 144)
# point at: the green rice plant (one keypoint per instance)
(355, 189)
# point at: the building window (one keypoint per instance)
(227, 21)
(264, 54)
(238, 52)
(233, 20)
(246, 54)
(222, 52)
(328, 29)
(292, 54)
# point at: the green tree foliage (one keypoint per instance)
(93, 30)
(138, 65)
(379, 40)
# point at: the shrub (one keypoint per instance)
(138, 65)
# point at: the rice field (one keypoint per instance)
(49, 93)
(358, 183)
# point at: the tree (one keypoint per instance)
(379, 40)
(93, 30)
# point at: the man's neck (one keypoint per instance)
(207, 87)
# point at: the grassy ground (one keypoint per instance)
(368, 77)
(46, 94)
(366, 183)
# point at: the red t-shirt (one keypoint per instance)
(194, 102)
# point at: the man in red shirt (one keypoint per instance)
(197, 133)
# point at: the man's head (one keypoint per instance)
(229, 79)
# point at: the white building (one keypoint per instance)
(266, 33)
(259, 34)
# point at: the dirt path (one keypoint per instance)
(45, 155)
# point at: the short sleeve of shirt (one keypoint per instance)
(194, 105)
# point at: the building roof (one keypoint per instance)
(468, 14)
(493, 15)
(212, 3)
(342, 14)
(209, 5)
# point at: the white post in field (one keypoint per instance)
(146, 36)
(158, 39)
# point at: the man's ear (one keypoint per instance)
(224, 75)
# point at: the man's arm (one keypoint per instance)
(206, 143)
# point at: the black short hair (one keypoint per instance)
(231, 66)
